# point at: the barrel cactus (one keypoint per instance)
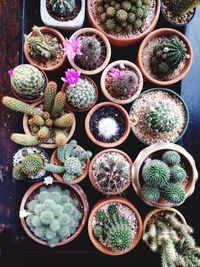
(183, 6)
(171, 158)
(28, 81)
(151, 193)
(63, 8)
(174, 193)
(178, 174)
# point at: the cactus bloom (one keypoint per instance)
(11, 72)
(71, 76)
(72, 47)
(116, 73)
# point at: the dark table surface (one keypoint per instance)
(14, 243)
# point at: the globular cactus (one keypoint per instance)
(43, 133)
(171, 158)
(17, 172)
(66, 121)
(112, 209)
(49, 95)
(183, 6)
(151, 193)
(63, 8)
(178, 174)
(59, 104)
(32, 164)
(101, 216)
(28, 81)
(98, 231)
(174, 193)
(163, 116)
(25, 139)
(38, 120)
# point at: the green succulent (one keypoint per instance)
(98, 231)
(178, 174)
(101, 216)
(174, 193)
(171, 158)
(63, 8)
(151, 193)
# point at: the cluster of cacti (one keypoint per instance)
(167, 55)
(73, 159)
(63, 8)
(183, 6)
(169, 236)
(163, 116)
(28, 81)
(38, 46)
(114, 228)
(111, 172)
(55, 215)
(164, 179)
(43, 122)
(123, 16)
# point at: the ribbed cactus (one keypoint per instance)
(59, 104)
(151, 193)
(63, 8)
(98, 231)
(49, 95)
(174, 193)
(66, 121)
(178, 174)
(163, 116)
(28, 81)
(17, 172)
(25, 139)
(171, 158)
(183, 6)
(32, 164)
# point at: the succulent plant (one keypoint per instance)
(101, 216)
(174, 193)
(167, 55)
(171, 158)
(178, 174)
(98, 231)
(28, 81)
(112, 209)
(73, 158)
(63, 8)
(54, 215)
(151, 193)
(183, 6)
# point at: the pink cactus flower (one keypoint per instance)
(71, 76)
(11, 72)
(72, 47)
(116, 73)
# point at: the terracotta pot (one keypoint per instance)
(108, 51)
(45, 145)
(59, 178)
(123, 41)
(146, 152)
(60, 38)
(92, 179)
(64, 88)
(103, 85)
(77, 190)
(100, 143)
(156, 34)
(100, 246)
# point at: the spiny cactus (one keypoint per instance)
(39, 47)
(112, 209)
(28, 81)
(64, 121)
(59, 104)
(54, 215)
(25, 139)
(98, 231)
(174, 193)
(151, 193)
(163, 116)
(168, 55)
(183, 6)
(49, 96)
(73, 159)
(171, 158)
(63, 8)
(178, 174)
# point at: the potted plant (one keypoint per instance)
(164, 175)
(43, 48)
(47, 123)
(88, 51)
(167, 233)
(29, 164)
(124, 22)
(107, 124)
(63, 14)
(114, 226)
(159, 115)
(28, 82)
(53, 213)
(165, 57)
(81, 91)
(69, 163)
(179, 13)
(121, 82)
(110, 171)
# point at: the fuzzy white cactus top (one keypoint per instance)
(108, 128)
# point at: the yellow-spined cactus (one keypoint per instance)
(66, 121)
(49, 95)
(25, 139)
(61, 138)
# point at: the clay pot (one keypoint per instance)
(76, 190)
(105, 73)
(156, 34)
(123, 41)
(100, 246)
(92, 179)
(86, 31)
(60, 38)
(92, 137)
(45, 145)
(64, 88)
(145, 153)
(59, 178)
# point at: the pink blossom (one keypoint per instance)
(116, 73)
(71, 76)
(11, 72)
(72, 47)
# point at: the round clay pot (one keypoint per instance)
(92, 180)
(60, 38)
(45, 145)
(103, 85)
(156, 34)
(77, 190)
(59, 178)
(123, 41)
(100, 143)
(106, 43)
(145, 153)
(100, 246)
(64, 88)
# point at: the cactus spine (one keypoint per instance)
(63, 8)
(61, 138)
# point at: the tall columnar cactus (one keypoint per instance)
(183, 6)
(63, 8)
(49, 96)
(168, 55)
(28, 81)
(59, 104)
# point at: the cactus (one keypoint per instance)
(32, 164)
(163, 116)
(178, 174)
(66, 121)
(174, 193)
(183, 6)
(43, 133)
(17, 172)
(49, 95)
(25, 139)
(28, 81)
(59, 104)
(171, 158)
(38, 120)
(39, 47)
(63, 8)
(98, 231)
(150, 193)
(61, 138)
(112, 209)
(168, 55)
(101, 216)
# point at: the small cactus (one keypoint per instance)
(25, 139)
(171, 158)
(174, 193)
(98, 231)
(49, 95)
(181, 7)
(32, 164)
(178, 174)
(59, 104)
(101, 216)
(43, 133)
(17, 172)
(150, 193)
(63, 8)
(61, 138)
(38, 120)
